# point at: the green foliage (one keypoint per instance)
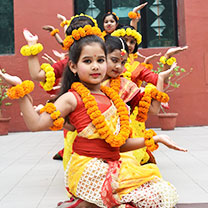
(3, 95)
(177, 74)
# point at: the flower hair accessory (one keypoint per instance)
(68, 22)
(80, 33)
(114, 14)
(129, 32)
(58, 121)
(123, 51)
(20, 90)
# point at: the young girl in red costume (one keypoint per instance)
(37, 73)
(101, 118)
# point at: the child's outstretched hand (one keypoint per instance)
(48, 28)
(149, 58)
(50, 60)
(11, 80)
(164, 139)
(166, 74)
(29, 37)
(60, 56)
(172, 51)
(61, 17)
(141, 6)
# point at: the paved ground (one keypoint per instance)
(29, 178)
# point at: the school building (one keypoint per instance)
(164, 24)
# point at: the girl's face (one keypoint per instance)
(109, 24)
(91, 66)
(131, 42)
(115, 63)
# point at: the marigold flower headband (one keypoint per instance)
(129, 32)
(68, 22)
(80, 33)
(114, 14)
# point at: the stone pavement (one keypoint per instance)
(29, 178)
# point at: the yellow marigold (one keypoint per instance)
(25, 50)
(163, 59)
(173, 59)
(35, 49)
(169, 62)
(28, 86)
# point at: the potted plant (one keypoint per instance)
(168, 120)
(4, 121)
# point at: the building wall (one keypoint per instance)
(190, 100)
(32, 15)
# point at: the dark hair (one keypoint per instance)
(131, 27)
(77, 22)
(112, 43)
(114, 17)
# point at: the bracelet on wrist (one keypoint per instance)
(27, 50)
(20, 90)
(134, 15)
(58, 121)
(169, 61)
(49, 77)
(63, 23)
(149, 141)
(54, 32)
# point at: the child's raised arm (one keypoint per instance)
(155, 106)
(50, 29)
(35, 121)
(36, 72)
(136, 9)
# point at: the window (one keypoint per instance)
(158, 24)
(6, 27)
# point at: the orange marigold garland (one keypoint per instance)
(98, 119)
(144, 105)
(115, 84)
(149, 141)
(147, 66)
(80, 33)
(58, 121)
(20, 90)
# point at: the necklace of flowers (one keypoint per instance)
(115, 84)
(98, 120)
(144, 105)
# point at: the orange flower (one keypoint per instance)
(50, 108)
(54, 32)
(149, 141)
(132, 15)
(20, 90)
(55, 114)
(98, 120)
